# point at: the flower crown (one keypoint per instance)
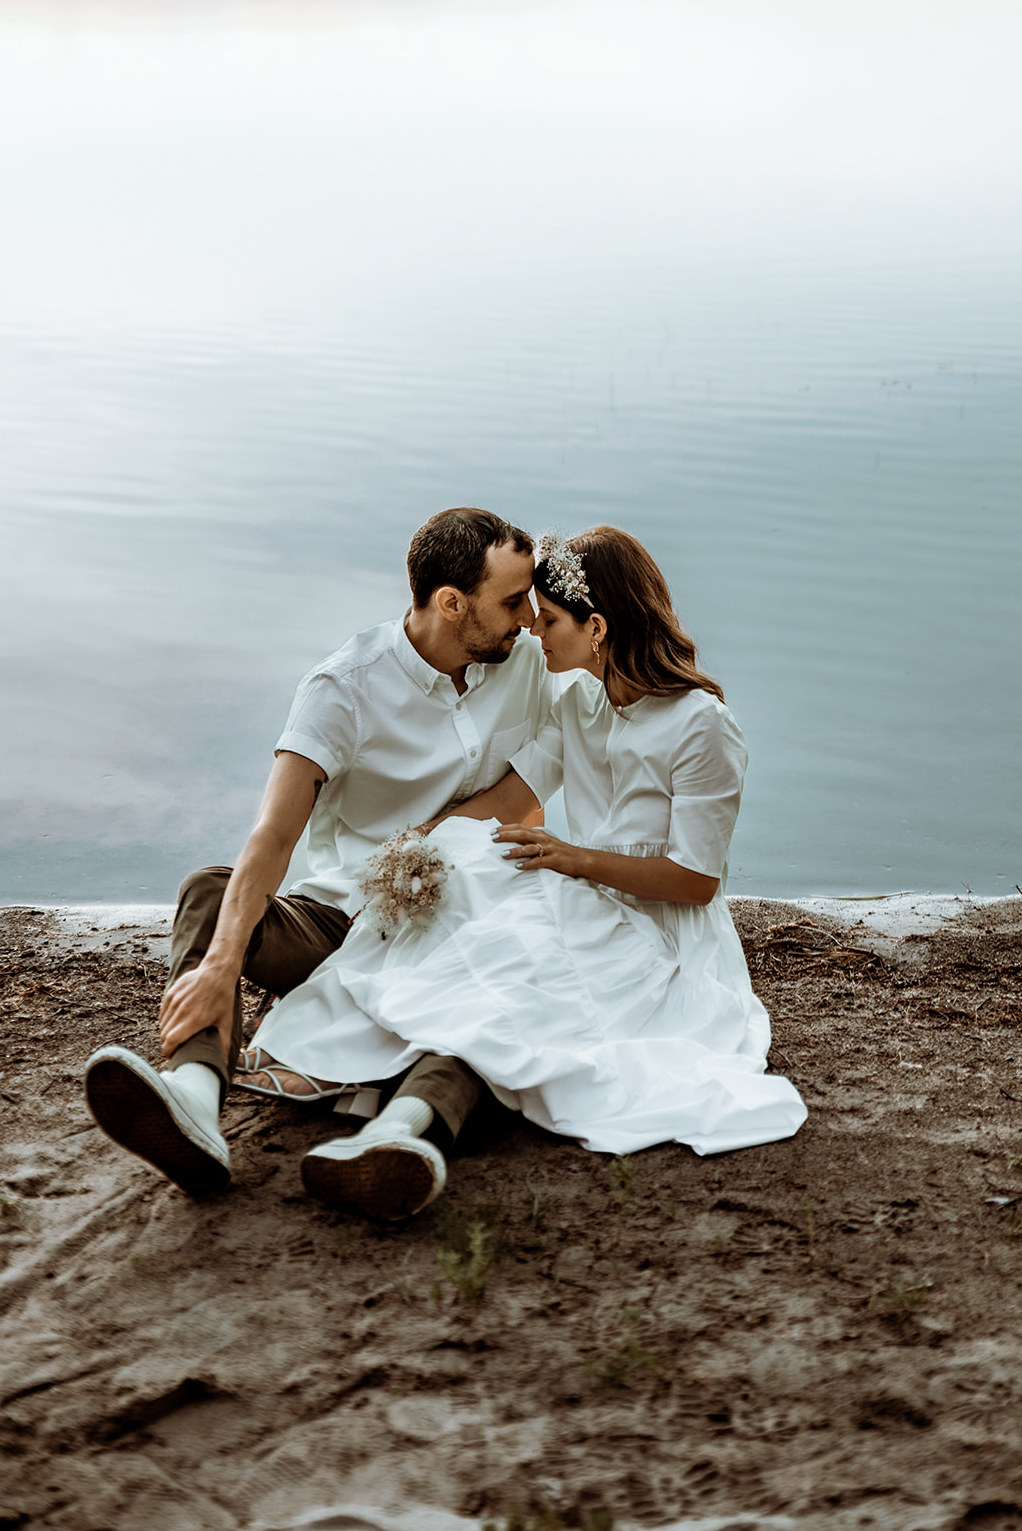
(565, 572)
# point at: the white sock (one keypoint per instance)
(200, 1086)
(407, 1110)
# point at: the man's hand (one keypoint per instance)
(203, 997)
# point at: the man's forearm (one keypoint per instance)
(260, 870)
(205, 995)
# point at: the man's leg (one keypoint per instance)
(291, 940)
(449, 1088)
(170, 1118)
(395, 1166)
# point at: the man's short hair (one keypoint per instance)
(451, 550)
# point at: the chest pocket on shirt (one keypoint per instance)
(503, 745)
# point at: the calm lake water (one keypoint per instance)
(278, 283)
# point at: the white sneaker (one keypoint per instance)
(143, 1111)
(384, 1171)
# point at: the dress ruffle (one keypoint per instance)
(619, 1024)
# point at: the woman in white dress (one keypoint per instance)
(597, 985)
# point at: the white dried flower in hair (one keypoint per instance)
(404, 880)
(565, 573)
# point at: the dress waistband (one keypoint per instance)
(641, 848)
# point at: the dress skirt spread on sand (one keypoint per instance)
(619, 1022)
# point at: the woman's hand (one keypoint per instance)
(533, 850)
(656, 878)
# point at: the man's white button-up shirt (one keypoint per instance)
(399, 745)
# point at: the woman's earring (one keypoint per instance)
(596, 647)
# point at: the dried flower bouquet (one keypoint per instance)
(404, 880)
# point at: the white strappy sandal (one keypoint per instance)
(352, 1099)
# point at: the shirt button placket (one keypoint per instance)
(471, 744)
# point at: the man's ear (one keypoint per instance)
(449, 602)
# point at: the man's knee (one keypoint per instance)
(195, 919)
(205, 884)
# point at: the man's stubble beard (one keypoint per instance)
(488, 656)
(472, 642)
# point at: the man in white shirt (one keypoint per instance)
(403, 723)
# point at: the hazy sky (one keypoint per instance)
(147, 152)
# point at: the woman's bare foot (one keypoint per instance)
(274, 1079)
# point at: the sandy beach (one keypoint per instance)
(820, 1333)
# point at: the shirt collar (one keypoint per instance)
(422, 672)
(411, 661)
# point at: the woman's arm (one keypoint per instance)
(509, 801)
(654, 877)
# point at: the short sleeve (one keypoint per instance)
(324, 724)
(550, 693)
(706, 789)
(541, 763)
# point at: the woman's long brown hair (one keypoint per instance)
(647, 647)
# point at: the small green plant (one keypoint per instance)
(542, 1520)
(621, 1174)
(523, 1520)
(612, 1368)
(542, 1200)
(10, 1212)
(900, 1300)
(466, 1260)
(469, 1241)
(402, 1281)
(809, 1212)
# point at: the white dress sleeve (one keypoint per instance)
(541, 763)
(707, 772)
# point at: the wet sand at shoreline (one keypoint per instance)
(825, 1332)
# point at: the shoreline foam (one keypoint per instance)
(890, 916)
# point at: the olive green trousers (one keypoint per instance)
(294, 936)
